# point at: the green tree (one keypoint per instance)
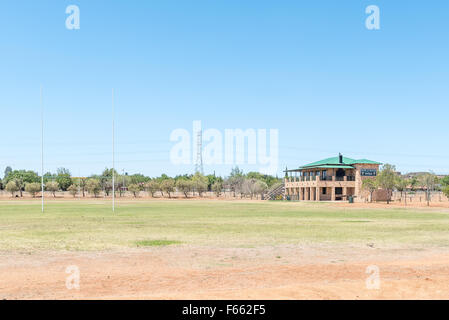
(83, 185)
(387, 179)
(370, 185)
(73, 190)
(428, 182)
(135, 189)
(401, 184)
(168, 186)
(8, 170)
(63, 178)
(199, 183)
(32, 188)
(12, 186)
(445, 181)
(152, 187)
(446, 191)
(138, 179)
(93, 187)
(260, 188)
(414, 182)
(52, 186)
(185, 186)
(217, 188)
(22, 177)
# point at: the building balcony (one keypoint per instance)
(310, 181)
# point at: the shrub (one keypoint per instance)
(134, 189)
(12, 187)
(93, 187)
(33, 188)
(73, 190)
(52, 186)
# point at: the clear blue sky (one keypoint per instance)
(307, 68)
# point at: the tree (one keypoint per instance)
(370, 185)
(168, 186)
(12, 187)
(217, 188)
(414, 182)
(445, 181)
(199, 183)
(446, 191)
(73, 190)
(21, 177)
(428, 181)
(63, 178)
(52, 186)
(7, 171)
(32, 188)
(387, 179)
(260, 187)
(82, 183)
(135, 189)
(236, 172)
(185, 186)
(401, 184)
(152, 187)
(235, 184)
(93, 187)
(253, 187)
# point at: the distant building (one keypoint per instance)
(331, 179)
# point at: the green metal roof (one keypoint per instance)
(327, 166)
(335, 163)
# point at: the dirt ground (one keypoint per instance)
(186, 272)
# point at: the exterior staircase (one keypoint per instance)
(275, 191)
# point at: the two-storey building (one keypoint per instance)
(331, 179)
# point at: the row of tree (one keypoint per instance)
(252, 184)
(389, 180)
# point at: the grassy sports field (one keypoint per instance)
(91, 225)
(192, 240)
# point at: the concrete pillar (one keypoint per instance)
(301, 194)
(318, 194)
(333, 194)
(345, 191)
(307, 193)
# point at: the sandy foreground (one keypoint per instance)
(188, 272)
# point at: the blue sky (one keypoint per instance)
(307, 68)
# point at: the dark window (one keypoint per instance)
(324, 190)
(340, 173)
(338, 190)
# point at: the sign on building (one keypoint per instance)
(368, 172)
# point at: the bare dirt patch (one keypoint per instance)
(186, 272)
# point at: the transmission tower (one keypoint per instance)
(199, 153)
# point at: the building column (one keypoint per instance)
(345, 191)
(306, 191)
(301, 194)
(318, 194)
(333, 194)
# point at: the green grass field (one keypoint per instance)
(91, 225)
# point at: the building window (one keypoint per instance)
(324, 190)
(338, 190)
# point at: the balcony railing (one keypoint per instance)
(320, 178)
